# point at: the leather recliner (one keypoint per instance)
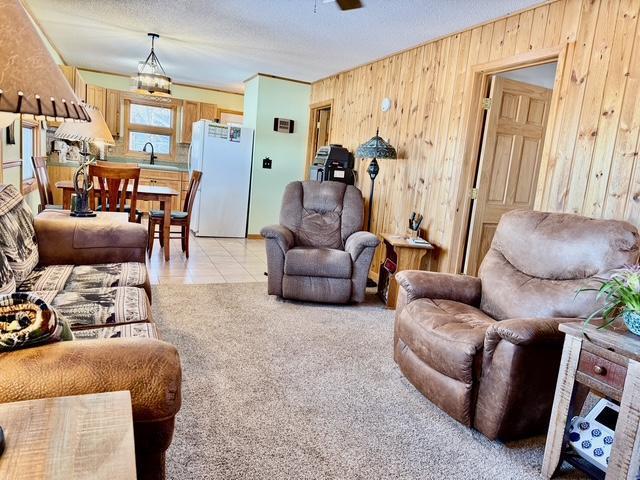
(317, 252)
(487, 350)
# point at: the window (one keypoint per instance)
(28, 151)
(150, 123)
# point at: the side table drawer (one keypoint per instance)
(602, 370)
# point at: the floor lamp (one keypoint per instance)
(376, 148)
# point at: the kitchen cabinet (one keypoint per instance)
(78, 85)
(208, 111)
(190, 114)
(97, 97)
(112, 112)
(161, 178)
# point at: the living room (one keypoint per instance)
(330, 239)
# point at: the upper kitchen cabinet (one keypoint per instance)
(97, 97)
(190, 114)
(76, 81)
(208, 111)
(112, 112)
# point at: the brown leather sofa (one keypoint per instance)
(487, 350)
(317, 253)
(82, 287)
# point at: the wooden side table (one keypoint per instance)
(80, 437)
(608, 362)
(407, 256)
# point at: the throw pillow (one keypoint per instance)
(27, 321)
(17, 234)
(7, 280)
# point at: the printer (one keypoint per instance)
(334, 163)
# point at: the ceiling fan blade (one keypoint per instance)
(349, 4)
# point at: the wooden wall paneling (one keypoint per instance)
(539, 27)
(524, 32)
(560, 175)
(595, 78)
(589, 162)
(609, 113)
(625, 153)
(553, 30)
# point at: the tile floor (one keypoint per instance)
(211, 260)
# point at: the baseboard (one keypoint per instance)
(254, 236)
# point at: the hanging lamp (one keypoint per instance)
(151, 76)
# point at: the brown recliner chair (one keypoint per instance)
(317, 253)
(487, 350)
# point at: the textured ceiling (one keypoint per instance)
(220, 43)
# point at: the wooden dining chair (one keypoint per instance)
(181, 219)
(44, 187)
(110, 187)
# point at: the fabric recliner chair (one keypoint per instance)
(487, 350)
(317, 253)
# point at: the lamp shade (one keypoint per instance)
(376, 148)
(94, 131)
(30, 81)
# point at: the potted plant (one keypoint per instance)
(621, 298)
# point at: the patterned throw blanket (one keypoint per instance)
(26, 321)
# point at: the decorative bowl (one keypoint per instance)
(632, 321)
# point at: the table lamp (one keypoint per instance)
(374, 149)
(31, 82)
(95, 131)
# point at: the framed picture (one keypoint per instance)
(11, 134)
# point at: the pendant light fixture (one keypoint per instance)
(151, 76)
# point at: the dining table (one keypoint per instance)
(151, 193)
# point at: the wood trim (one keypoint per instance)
(276, 77)
(313, 111)
(228, 110)
(254, 236)
(190, 85)
(12, 164)
(477, 83)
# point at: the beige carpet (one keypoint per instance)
(279, 390)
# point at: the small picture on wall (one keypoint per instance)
(11, 134)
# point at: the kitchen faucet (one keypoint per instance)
(153, 157)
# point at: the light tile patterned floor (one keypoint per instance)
(211, 260)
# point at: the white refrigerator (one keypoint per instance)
(223, 154)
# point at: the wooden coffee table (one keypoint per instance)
(81, 437)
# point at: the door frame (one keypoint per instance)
(313, 131)
(477, 84)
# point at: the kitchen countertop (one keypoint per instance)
(163, 166)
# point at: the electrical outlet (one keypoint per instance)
(266, 163)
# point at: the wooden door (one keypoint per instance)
(97, 97)
(509, 160)
(112, 112)
(190, 114)
(208, 111)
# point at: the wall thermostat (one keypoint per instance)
(282, 125)
(385, 106)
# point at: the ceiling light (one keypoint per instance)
(151, 76)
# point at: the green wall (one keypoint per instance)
(230, 101)
(266, 98)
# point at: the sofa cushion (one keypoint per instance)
(99, 306)
(17, 235)
(7, 280)
(83, 277)
(318, 262)
(447, 335)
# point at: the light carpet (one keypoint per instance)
(277, 390)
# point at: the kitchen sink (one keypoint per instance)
(148, 166)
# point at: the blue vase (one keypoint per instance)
(632, 321)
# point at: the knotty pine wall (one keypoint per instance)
(592, 167)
